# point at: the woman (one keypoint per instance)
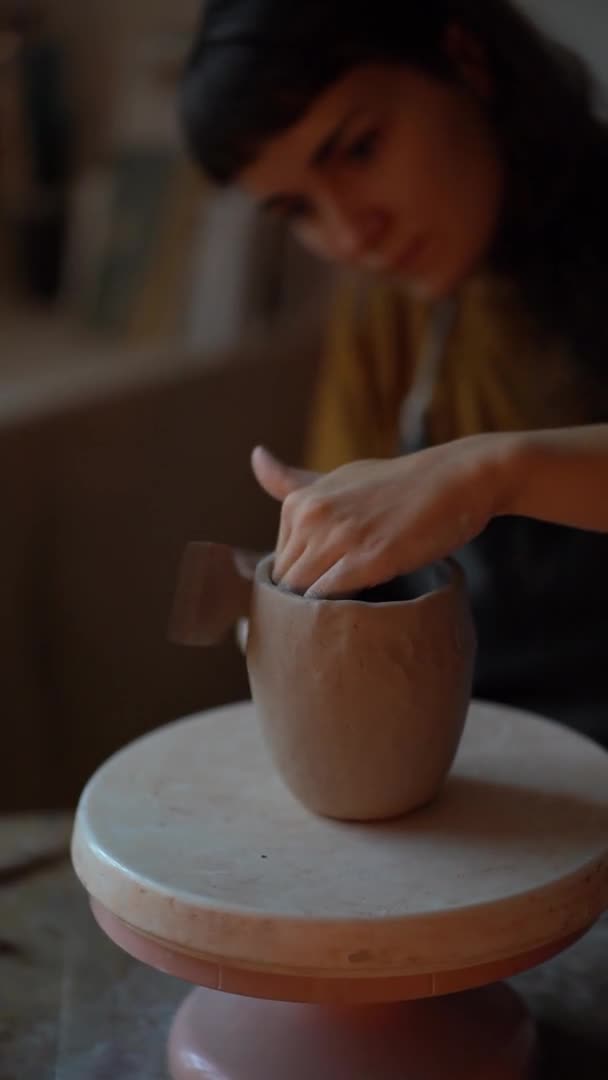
(450, 151)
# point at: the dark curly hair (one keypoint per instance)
(257, 65)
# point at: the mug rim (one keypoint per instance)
(455, 581)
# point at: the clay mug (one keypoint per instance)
(362, 701)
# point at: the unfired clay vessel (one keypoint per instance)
(362, 701)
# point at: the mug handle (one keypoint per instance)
(213, 592)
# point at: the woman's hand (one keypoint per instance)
(367, 522)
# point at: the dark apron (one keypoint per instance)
(539, 594)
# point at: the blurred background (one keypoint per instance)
(151, 331)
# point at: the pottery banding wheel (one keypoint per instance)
(200, 862)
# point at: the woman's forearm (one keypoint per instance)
(560, 476)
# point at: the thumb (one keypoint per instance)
(277, 479)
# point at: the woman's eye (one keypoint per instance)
(363, 148)
(293, 210)
(299, 209)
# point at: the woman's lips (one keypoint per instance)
(405, 263)
(409, 259)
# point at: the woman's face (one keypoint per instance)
(389, 170)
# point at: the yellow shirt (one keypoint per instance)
(499, 372)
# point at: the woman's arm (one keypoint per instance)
(369, 521)
(562, 477)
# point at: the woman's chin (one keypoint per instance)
(429, 289)
(439, 285)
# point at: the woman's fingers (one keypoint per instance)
(284, 542)
(287, 557)
(345, 578)
(337, 570)
(283, 483)
(354, 571)
(278, 480)
(304, 567)
(305, 570)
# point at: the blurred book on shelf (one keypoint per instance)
(36, 139)
(100, 210)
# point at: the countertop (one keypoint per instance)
(73, 1007)
(49, 363)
